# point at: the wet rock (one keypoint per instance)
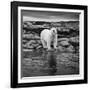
(74, 39)
(77, 49)
(28, 46)
(31, 42)
(64, 43)
(36, 36)
(26, 50)
(39, 41)
(63, 39)
(31, 47)
(31, 35)
(28, 35)
(24, 41)
(39, 47)
(70, 49)
(60, 48)
(35, 45)
(24, 45)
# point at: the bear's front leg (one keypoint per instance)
(49, 45)
(55, 43)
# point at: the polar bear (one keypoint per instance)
(49, 37)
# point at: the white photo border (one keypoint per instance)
(58, 77)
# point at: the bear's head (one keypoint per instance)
(54, 31)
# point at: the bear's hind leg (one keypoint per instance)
(44, 44)
(49, 45)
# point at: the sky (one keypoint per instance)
(49, 16)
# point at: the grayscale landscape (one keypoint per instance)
(37, 61)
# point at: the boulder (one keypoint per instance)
(35, 45)
(28, 35)
(39, 41)
(64, 43)
(63, 39)
(39, 47)
(60, 48)
(31, 47)
(74, 39)
(36, 36)
(70, 48)
(31, 42)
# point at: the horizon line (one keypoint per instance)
(51, 21)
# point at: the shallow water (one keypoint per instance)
(45, 63)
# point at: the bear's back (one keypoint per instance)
(45, 32)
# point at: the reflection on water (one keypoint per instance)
(51, 57)
(44, 63)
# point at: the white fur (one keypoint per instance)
(48, 37)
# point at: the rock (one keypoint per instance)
(38, 47)
(31, 42)
(31, 35)
(64, 43)
(24, 45)
(35, 45)
(39, 41)
(30, 47)
(77, 49)
(70, 49)
(60, 48)
(28, 35)
(26, 50)
(63, 39)
(74, 39)
(36, 36)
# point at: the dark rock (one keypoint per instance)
(64, 43)
(63, 39)
(60, 48)
(39, 47)
(36, 36)
(70, 48)
(74, 39)
(31, 42)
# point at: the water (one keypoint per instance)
(47, 63)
